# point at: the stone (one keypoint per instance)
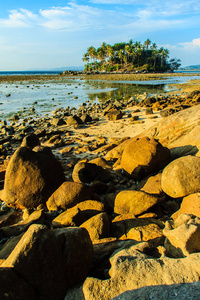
(148, 111)
(102, 250)
(88, 172)
(117, 151)
(30, 141)
(132, 269)
(31, 177)
(74, 121)
(86, 118)
(68, 195)
(144, 156)
(71, 217)
(99, 161)
(127, 227)
(13, 287)
(189, 205)
(9, 218)
(52, 272)
(183, 291)
(37, 217)
(151, 185)
(178, 130)
(135, 202)
(181, 177)
(182, 235)
(98, 226)
(114, 115)
(58, 121)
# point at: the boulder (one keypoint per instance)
(183, 291)
(78, 214)
(182, 235)
(71, 217)
(127, 227)
(182, 177)
(30, 141)
(135, 202)
(114, 115)
(144, 156)
(178, 130)
(189, 205)
(37, 217)
(58, 121)
(86, 118)
(98, 226)
(68, 195)
(31, 177)
(151, 185)
(88, 172)
(52, 272)
(74, 121)
(131, 268)
(13, 287)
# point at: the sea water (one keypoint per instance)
(39, 98)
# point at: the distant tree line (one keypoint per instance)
(129, 56)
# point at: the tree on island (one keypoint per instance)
(131, 56)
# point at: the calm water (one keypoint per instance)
(46, 97)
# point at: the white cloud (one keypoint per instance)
(19, 18)
(76, 17)
(193, 45)
(196, 42)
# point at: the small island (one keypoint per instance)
(129, 57)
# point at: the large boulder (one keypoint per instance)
(182, 177)
(131, 269)
(51, 260)
(183, 291)
(135, 202)
(189, 205)
(68, 195)
(13, 287)
(178, 130)
(143, 156)
(182, 235)
(31, 177)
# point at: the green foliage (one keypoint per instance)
(129, 56)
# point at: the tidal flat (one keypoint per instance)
(40, 95)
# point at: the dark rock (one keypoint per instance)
(30, 141)
(88, 172)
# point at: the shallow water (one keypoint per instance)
(38, 99)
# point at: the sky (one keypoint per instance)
(46, 34)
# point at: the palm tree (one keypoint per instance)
(127, 53)
(110, 53)
(139, 52)
(147, 43)
(86, 57)
(155, 55)
(121, 55)
(164, 54)
(92, 52)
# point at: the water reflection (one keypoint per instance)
(121, 91)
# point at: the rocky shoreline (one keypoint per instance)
(102, 200)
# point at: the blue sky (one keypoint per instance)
(49, 33)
